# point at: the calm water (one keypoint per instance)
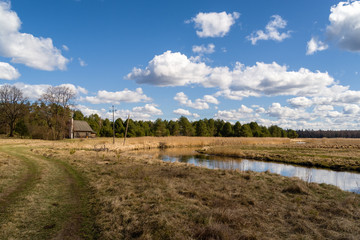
(347, 181)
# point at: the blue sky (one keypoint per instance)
(270, 61)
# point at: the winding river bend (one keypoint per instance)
(348, 181)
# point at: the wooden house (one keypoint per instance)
(81, 129)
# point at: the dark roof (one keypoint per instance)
(82, 126)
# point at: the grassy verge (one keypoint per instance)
(144, 198)
(51, 204)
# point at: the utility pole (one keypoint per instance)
(127, 125)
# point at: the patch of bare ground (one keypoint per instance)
(145, 198)
(49, 202)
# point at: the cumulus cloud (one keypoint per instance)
(344, 26)
(210, 48)
(243, 112)
(34, 92)
(269, 79)
(183, 112)
(300, 102)
(283, 112)
(147, 112)
(315, 45)
(214, 24)
(198, 103)
(126, 95)
(8, 72)
(271, 31)
(176, 69)
(24, 48)
(272, 79)
(171, 69)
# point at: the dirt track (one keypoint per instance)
(48, 201)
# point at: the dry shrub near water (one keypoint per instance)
(144, 198)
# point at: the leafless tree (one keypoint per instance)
(12, 106)
(56, 102)
(59, 95)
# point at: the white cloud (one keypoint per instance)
(82, 62)
(351, 109)
(24, 48)
(126, 95)
(34, 92)
(270, 79)
(87, 111)
(203, 49)
(280, 112)
(214, 24)
(300, 102)
(147, 112)
(176, 69)
(235, 115)
(271, 31)
(236, 95)
(171, 69)
(344, 26)
(315, 45)
(148, 109)
(198, 103)
(8, 72)
(183, 112)
(66, 48)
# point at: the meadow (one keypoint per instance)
(93, 189)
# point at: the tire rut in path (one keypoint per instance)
(54, 206)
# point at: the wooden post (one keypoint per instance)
(127, 125)
(113, 124)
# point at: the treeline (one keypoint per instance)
(328, 133)
(181, 127)
(46, 118)
(49, 117)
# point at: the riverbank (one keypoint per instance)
(339, 157)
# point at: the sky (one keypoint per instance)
(276, 62)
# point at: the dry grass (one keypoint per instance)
(146, 198)
(138, 197)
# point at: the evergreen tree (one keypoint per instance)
(237, 129)
(201, 129)
(211, 127)
(186, 129)
(78, 115)
(160, 129)
(246, 131)
(227, 130)
(119, 128)
(174, 128)
(255, 129)
(218, 126)
(106, 129)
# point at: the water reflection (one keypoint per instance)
(347, 181)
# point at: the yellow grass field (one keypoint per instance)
(93, 189)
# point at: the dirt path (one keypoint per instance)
(49, 201)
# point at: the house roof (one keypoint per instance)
(82, 126)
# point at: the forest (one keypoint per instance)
(49, 117)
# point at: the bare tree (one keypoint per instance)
(59, 95)
(12, 106)
(56, 103)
